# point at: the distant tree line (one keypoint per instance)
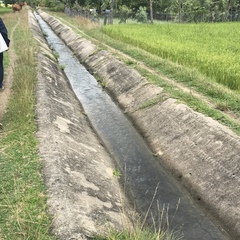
(172, 10)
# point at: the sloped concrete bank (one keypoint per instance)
(203, 155)
(84, 198)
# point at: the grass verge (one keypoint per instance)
(22, 192)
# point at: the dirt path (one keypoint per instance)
(8, 79)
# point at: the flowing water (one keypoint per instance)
(145, 180)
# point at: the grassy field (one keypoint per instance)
(22, 192)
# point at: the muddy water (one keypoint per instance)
(146, 182)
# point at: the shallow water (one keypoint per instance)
(144, 177)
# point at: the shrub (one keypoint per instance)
(124, 13)
(141, 15)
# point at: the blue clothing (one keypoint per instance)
(1, 70)
(4, 32)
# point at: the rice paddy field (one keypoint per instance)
(211, 48)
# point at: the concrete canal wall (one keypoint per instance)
(203, 155)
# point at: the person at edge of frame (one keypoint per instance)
(4, 32)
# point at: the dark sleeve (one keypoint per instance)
(3, 28)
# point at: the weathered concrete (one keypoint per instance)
(84, 197)
(202, 154)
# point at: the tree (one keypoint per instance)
(124, 13)
(6, 2)
(112, 4)
(180, 10)
(151, 11)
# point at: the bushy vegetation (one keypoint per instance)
(124, 13)
(177, 10)
(212, 49)
(141, 15)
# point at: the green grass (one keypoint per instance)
(22, 192)
(139, 230)
(138, 234)
(4, 10)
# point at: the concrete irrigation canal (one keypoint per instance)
(83, 194)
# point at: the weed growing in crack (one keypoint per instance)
(137, 229)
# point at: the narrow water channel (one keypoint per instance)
(144, 176)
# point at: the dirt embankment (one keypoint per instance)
(202, 154)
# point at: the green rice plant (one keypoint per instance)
(212, 49)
